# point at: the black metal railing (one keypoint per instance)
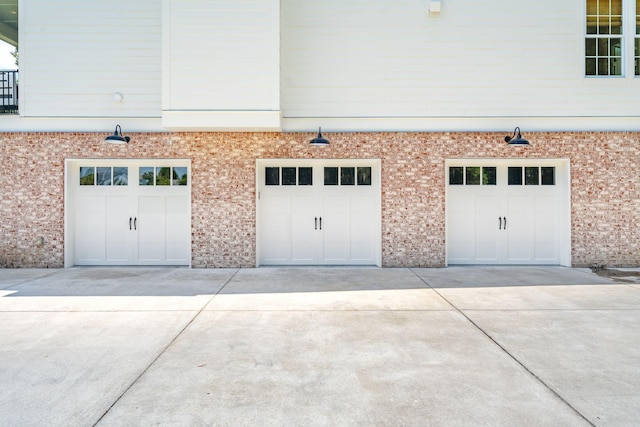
(9, 92)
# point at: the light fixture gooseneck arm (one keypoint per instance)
(516, 138)
(117, 137)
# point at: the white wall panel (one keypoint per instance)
(348, 61)
(384, 58)
(221, 55)
(75, 55)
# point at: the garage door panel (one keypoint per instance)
(335, 228)
(484, 214)
(275, 217)
(461, 237)
(461, 230)
(514, 221)
(520, 228)
(332, 217)
(458, 202)
(362, 223)
(546, 227)
(519, 252)
(151, 225)
(122, 220)
(303, 233)
(118, 234)
(486, 244)
(90, 230)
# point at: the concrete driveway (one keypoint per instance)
(318, 346)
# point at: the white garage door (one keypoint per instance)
(318, 212)
(507, 212)
(124, 212)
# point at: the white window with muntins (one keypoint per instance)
(612, 38)
(636, 46)
(604, 39)
(128, 212)
(318, 212)
(507, 212)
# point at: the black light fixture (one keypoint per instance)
(319, 140)
(117, 137)
(516, 140)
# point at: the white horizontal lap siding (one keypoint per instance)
(389, 58)
(75, 55)
(221, 55)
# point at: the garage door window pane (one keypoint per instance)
(548, 176)
(305, 176)
(163, 176)
(104, 176)
(147, 176)
(347, 176)
(288, 176)
(489, 175)
(473, 175)
(87, 175)
(515, 176)
(272, 176)
(121, 176)
(532, 176)
(330, 176)
(364, 176)
(456, 175)
(180, 176)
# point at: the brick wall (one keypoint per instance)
(605, 188)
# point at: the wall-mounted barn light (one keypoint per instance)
(117, 137)
(319, 140)
(519, 140)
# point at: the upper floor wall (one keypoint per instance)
(345, 65)
(90, 58)
(473, 59)
(221, 64)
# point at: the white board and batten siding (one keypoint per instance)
(221, 64)
(188, 64)
(388, 60)
(74, 56)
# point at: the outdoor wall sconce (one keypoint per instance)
(117, 137)
(516, 140)
(434, 7)
(319, 140)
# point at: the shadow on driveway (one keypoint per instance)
(177, 281)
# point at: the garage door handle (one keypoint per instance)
(320, 223)
(315, 221)
(499, 223)
(505, 222)
(130, 223)
(135, 220)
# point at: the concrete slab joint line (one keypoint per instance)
(163, 351)
(505, 351)
(480, 345)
